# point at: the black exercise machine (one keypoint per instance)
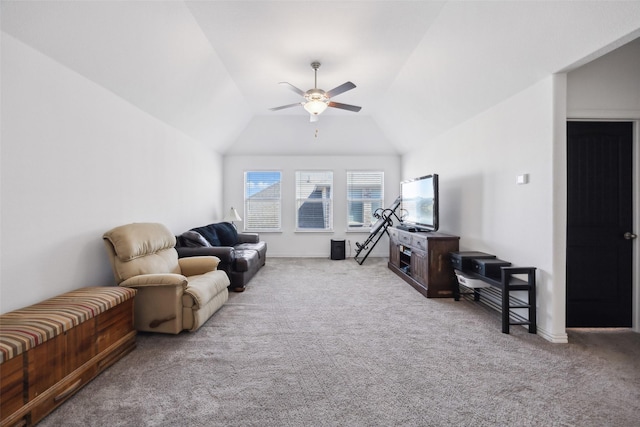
(385, 220)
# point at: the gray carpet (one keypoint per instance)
(315, 342)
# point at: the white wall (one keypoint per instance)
(608, 88)
(76, 161)
(288, 242)
(478, 163)
(526, 224)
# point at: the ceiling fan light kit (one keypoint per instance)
(317, 100)
(316, 106)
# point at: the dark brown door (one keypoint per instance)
(599, 213)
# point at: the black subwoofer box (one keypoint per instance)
(489, 267)
(463, 260)
(337, 249)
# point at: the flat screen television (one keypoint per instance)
(419, 205)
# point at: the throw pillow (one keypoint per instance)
(209, 233)
(192, 239)
(227, 234)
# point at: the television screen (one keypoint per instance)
(420, 202)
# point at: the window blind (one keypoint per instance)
(314, 200)
(365, 194)
(262, 200)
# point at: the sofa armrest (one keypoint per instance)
(248, 238)
(147, 280)
(226, 254)
(193, 266)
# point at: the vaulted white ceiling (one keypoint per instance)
(210, 68)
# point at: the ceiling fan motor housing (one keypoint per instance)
(316, 95)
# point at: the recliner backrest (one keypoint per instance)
(141, 248)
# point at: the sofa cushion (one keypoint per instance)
(209, 233)
(260, 248)
(23, 329)
(227, 233)
(192, 239)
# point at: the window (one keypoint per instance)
(365, 194)
(262, 200)
(314, 196)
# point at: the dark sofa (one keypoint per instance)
(241, 254)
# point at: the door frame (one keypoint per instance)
(635, 273)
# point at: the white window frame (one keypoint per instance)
(269, 201)
(370, 204)
(320, 182)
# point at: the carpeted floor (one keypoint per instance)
(315, 342)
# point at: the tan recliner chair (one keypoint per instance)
(173, 294)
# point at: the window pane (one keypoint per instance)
(365, 194)
(262, 200)
(314, 200)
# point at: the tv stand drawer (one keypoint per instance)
(405, 238)
(419, 241)
(414, 240)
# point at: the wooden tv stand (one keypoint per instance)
(422, 260)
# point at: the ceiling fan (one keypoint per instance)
(317, 100)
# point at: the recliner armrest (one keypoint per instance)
(248, 237)
(147, 280)
(226, 254)
(193, 266)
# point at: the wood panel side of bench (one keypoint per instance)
(36, 382)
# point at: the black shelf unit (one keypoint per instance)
(405, 260)
(498, 295)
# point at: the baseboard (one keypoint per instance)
(554, 338)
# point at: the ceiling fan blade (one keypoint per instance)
(286, 106)
(293, 88)
(340, 89)
(353, 108)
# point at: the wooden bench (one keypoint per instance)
(49, 350)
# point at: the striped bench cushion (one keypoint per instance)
(27, 327)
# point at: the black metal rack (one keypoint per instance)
(498, 295)
(385, 220)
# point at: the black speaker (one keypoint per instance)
(337, 249)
